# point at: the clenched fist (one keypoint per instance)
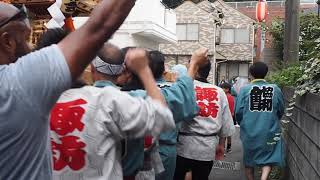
(136, 60)
(200, 57)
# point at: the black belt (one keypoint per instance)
(197, 134)
(163, 142)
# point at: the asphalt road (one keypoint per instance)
(234, 156)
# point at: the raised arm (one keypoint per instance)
(137, 61)
(81, 46)
(126, 116)
(180, 97)
(198, 59)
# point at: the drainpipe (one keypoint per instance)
(214, 52)
(253, 41)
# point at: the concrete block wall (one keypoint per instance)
(303, 138)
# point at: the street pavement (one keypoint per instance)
(234, 156)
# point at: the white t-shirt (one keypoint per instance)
(214, 117)
(88, 124)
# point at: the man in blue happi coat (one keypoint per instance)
(168, 140)
(259, 108)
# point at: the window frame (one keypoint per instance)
(186, 25)
(234, 35)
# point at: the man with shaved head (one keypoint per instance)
(109, 66)
(31, 83)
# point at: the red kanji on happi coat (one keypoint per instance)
(65, 119)
(207, 98)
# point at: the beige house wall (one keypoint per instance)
(188, 13)
(180, 53)
(206, 15)
(233, 19)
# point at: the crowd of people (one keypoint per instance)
(133, 122)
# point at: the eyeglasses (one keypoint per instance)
(20, 16)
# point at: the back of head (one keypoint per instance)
(51, 36)
(109, 61)
(126, 49)
(111, 54)
(204, 72)
(258, 70)
(226, 86)
(156, 63)
(135, 82)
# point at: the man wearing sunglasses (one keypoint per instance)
(31, 83)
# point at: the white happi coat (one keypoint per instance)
(198, 143)
(88, 124)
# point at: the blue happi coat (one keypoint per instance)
(259, 108)
(187, 111)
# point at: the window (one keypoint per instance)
(233, 70)
(243, 70)
(227, 36)
(239, 36)
(229, 70)
(182, 32)
(242, 36)
(188, 32)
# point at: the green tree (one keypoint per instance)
(309, 35)
(305, 76)
(277, 32)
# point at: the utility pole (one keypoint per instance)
(292, 31)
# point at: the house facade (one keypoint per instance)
(236, 43)
(226, 32)
(197, 25)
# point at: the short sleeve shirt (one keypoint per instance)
(28, 90)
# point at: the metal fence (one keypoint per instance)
(250, 4)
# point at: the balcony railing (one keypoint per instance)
(153, 11)
(148, 18)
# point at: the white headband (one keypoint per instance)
(107, 68)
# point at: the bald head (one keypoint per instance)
(109, 66)
(111, 54)
(7, 11)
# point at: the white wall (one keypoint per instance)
(144, 15)
(125, 39)
(153, 11)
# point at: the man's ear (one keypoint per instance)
(8, 43)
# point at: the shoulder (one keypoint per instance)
(138, 93)
(202, 85)
(86, 92)
(185, 78)
(246, 88)
(276, 87)
(51, 52)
